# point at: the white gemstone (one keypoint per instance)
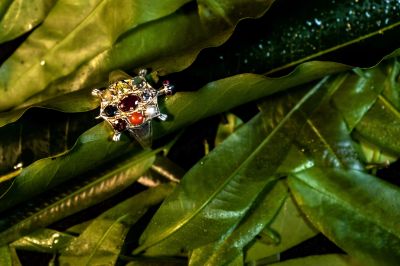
(150, 111)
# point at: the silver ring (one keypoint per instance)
(130, 105)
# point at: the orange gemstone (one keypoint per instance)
(136, 118)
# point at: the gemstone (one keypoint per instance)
(150, 111)
(129, 103)
(166, 82)
(146, 95)
(119, 125)
(110, 110)
(136, 118)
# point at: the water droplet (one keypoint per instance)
(42, 63)
(318, 22)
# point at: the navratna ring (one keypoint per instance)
(130, 105)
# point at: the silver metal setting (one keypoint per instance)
(130, 105)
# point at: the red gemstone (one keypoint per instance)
(119, 125)
(166, 82)
(129, 103)
(136, 118)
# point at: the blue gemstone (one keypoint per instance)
(110, 110)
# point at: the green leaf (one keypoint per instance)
(290, 35)
(94, 147)
(330, 259)
(374, 156)
(40, 134)
(221, 188)
(359, 91)
(166, 45)
(5, 256)
(43, 240)
(22, 16)
(381, 126)
(242, 88)
(227, 127)
(226, 250)
(91, 150)
(102, 188)
(102, 240)
(288, 229)
(54, 49)
(75, 102)
(357, 211)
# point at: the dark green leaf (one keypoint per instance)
(101, 241)
(357, 211)
(43, 240)
(40, 134)
(381, 126)
(54, 49)
(92, 148)
(227, 249)
(102, 188)
(22, 16)
(290, 34)
(221, 188)
(287, 230)
(75, 102)
(330, 259)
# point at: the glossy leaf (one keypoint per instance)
(43, 240)
(39, 135)
(295, 32)
(260, 86)
(355, 210)
(221, 188)
(226, 250)
(183, 35)
(75, 102)
(102, 188)
(22, 16)
(381, 126)
(330, 259)
(289, 228)
(92, 148)
(51, 51)
(101, 241)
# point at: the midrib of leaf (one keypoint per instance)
(82, 190)
(348, 206)
(167, 233)
(334, 48)
(323, 140)
(17, 15)
(58, 43)
(104, 236)
(388, 105)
